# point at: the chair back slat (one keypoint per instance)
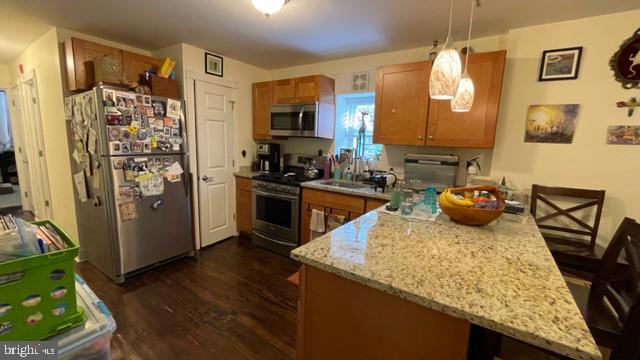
(540, 193)
(611, 283)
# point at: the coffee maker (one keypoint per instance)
(268, 158)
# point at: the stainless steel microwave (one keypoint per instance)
(296, 120)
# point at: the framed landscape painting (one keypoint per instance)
(551, 123)
(560, 64)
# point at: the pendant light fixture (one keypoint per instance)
(269, 7)
(445, 73)
(463, 100)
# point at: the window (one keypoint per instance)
(351, 109)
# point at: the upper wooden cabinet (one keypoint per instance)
(306, 89)
(135, 64)
(284, 91)
(301, 90)
(402, 104)
(476, 128)
(262, 95)
(406, 116)
(79, 57)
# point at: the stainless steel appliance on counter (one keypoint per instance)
(276, 205)
(297, 120)
(438, 171)
(131, 175)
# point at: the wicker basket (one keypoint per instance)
(473, 216)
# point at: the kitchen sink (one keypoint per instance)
(345, 184)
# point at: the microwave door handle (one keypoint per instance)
(300, 119)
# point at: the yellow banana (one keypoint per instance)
(457, 202)
(443, 198)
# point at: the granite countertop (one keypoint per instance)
(364, 192)
(245, 173)
(500, 276)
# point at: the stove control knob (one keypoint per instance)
(283, 188)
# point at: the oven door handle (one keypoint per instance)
(278, 196)
(272, 239)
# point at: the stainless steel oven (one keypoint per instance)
(300, 120)
(276, 219)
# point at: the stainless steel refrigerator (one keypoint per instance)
(130, 169)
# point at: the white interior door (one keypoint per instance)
(214, 123)
(34, 147)
(17, 135)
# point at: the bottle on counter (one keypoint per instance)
(431, 199)
(326, 167)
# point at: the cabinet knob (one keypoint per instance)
(393, 109)
(419, 137)
(430, 137)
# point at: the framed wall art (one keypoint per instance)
(213, 64)
(551, 123)
(625, 63)
(560, 64)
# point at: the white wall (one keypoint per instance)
(589, 162)
(5, 79)
(341, 70)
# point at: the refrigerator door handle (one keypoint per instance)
(187, 174)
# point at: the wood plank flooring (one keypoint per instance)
(230, 301)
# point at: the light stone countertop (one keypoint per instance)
(245, 174)
(364, 192)
(500, 276)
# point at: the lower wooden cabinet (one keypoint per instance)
(349, 206)
(243, 205)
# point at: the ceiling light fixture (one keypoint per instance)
(445, 73)
(463, 100)
(269, 7)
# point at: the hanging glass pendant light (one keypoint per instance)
(463, 100)
(445, 73)
(269, 7)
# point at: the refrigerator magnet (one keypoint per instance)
(173, 108)
(125, 147)
(137, 146)
(149, 111)
(166, 162)
(146, 146)
(158, 108)
(139, 99)
(156, 204)
(114, 133)
(168, 122)
(153, 142)
(118, 164)
(175, 142)
(128, 211)
(146, 100)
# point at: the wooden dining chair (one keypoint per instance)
(573, 245)
(611, 307)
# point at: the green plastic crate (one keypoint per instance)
(39, 275)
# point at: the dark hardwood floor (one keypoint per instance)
(230, 301)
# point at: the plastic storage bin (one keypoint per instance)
(92, 340)
(38, 293)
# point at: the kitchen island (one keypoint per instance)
(381, 286)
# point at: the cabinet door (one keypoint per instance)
(477, 127)
(262, 96)
(402, 104)
(373, 204)
(243, 211)
(135, 64)
(307, 89)
(284, 91)
(79, 57)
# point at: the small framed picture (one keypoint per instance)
(213, 64)
(125, 147)
(115, 147)
(560, 64)
(146, 100)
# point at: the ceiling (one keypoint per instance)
(17, 32)
(304, 31)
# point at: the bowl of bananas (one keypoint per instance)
(472, 205)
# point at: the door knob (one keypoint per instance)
(205, 178)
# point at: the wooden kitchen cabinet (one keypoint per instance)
(402, 104)
(243, 205)
(329, 202)
(476, 128)
(135, 64)
(79, 57)
(405, 115)
(262, 96)
(284, 91)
